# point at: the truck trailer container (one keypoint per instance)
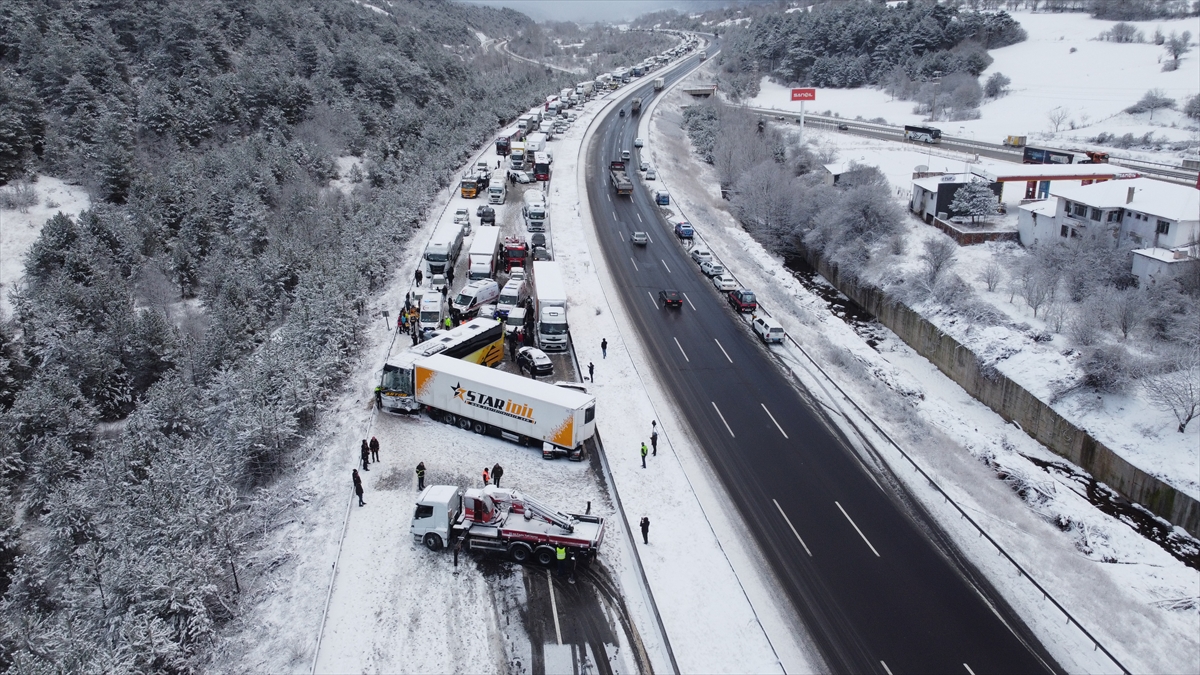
(659, 83)
(499, 520)
(550, 306)
(479, 341)
(481, 258)
(619, 178)
(518, 409)
(443, 247)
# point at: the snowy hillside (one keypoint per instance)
(1061, 64)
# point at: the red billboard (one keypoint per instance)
(804, 94)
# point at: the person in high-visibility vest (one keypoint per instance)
(561, 551)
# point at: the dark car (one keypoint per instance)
(540, 253)
(670, 298)
(842, 126)
(683, 230)
(486, 214)
(743, 300)
(534, 361)
(538, 239)
(622, 114)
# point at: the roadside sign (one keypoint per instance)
(804, 94)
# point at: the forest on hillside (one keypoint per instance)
(171, 347)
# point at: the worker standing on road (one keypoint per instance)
(604, 348)
(418, 276)
(358, 489)
(449, 275)
(374, 445)
(654, 442)
(643, 455)
(497, 472)
(421, 476)
(561, 552)
(645, 529)
(366, 455)
(591, 371)
(486, 478)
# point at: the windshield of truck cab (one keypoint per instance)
(435, 257)
(423, 512)
(396, 380)
(553, 328)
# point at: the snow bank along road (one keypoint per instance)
(873, 579)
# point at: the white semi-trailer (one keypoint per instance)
(494, 402)
(550, 306)
(485, 248)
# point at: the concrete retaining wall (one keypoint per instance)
(1014, 403)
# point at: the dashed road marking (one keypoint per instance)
(727, 356)
(864, 537)
(789, 522)
(685, 356)
(714, 405)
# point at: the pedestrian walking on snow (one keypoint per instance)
(374, 445)
(366, 455)
(644, 455)
(497, 472)
(358, 490)
(486, 477)
(654, 442)
(449, 275)
(591, 371)
(645, 529)
(418, 276)
(421, 476)
(604, 348)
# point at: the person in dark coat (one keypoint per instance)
(366, 455)
(449, 275)
(654, 442)
(421, 476)
(591, 371)
(358, 489)
(604, 348)
(418, 276)
(512, 346)
(497, 472)
(374, 445)
(645, 529)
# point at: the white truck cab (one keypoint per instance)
(552, 329)
(437, 508)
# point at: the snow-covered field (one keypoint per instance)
(1095, 82)
(18, 230)
(1136, 598)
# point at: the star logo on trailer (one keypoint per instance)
(459, 392)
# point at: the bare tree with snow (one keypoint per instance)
(992, 275)
(937, 257)
(1177, 391)
(1058, 116)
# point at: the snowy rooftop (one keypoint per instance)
(931, 183)
(1007, 171)
(1153, 197)
(1042, 207)
(1163, 254)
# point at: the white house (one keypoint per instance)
(1160, 221)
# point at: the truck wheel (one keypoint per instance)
(433, 542)
(449, 418)
(520, 552)
(545, 556)
(479, 428)
(464, 423)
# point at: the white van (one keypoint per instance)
(433, 311)
(768, 330)
(512, 295)
(475, 295)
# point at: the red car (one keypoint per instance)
(743, 300)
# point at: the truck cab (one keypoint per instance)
(438, 506)
(552, 331)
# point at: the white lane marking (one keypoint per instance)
(621, 235)
(764, 405)
(614, 216)
(726, 355)
(969, 669)
(864, 537)
(714, 404)
(639, 217)
(648, 238)
(609, 198)
(635, 268)
(685, 297)
(685, 358)
(554, 607)
(664, 262)
(652, 300)
(789, 522)
(885, 668)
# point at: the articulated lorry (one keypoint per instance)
(550, 306)
(620, 179)
(499, 520)
(659, 83)
(635, 106)
(485, 249)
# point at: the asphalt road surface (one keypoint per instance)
(874, 581)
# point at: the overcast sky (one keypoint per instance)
(587, 11)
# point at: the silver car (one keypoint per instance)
(651, 174)
(700, 255)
